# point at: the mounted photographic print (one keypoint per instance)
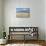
(22, 12)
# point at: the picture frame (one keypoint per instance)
(22, 12)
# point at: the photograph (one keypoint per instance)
(22, 22)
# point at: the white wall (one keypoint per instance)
(37, 18)
(45, 19)
(0, 12)
(0, 18)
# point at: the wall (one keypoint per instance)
(0, 18)
(37, 18)
(45, 19)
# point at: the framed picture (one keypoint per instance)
(22, 12)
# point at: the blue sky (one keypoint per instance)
(22, 10)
